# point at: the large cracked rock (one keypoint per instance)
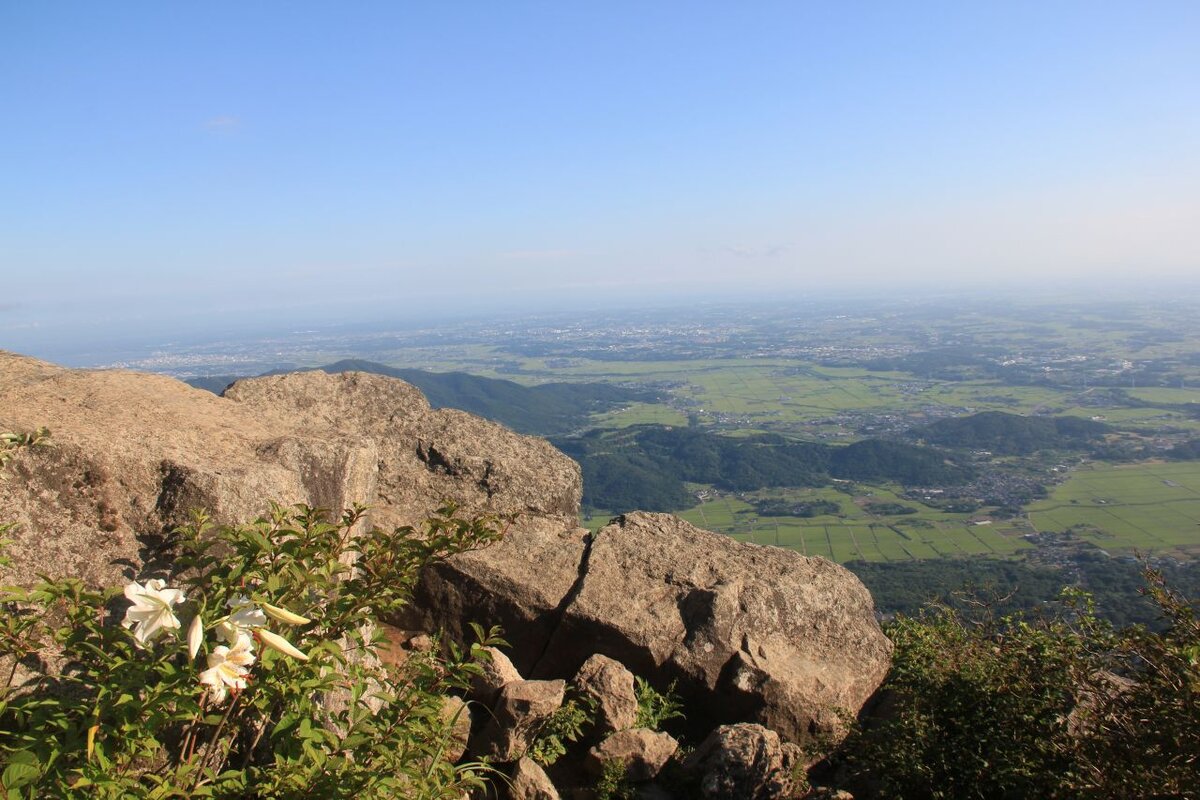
(132, 454)
(749, 633)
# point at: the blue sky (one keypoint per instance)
(218, 161)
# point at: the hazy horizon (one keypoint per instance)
(197, 169)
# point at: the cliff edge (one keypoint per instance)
(749, 633)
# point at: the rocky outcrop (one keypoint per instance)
(748, 633)
(133, 453)
(517, 717)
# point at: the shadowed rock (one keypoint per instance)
(744, 762)
(517, 717)
(750, 633)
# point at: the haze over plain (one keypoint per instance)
(205, 166)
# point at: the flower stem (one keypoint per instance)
(213, 740)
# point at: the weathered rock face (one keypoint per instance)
(133, 453)
(425, 455)
(750, 633)
(744, 762)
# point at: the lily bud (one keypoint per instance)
(283, 615)
(277, 642)
(195, 636)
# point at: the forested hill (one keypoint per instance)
(645, 466)
(1013, 434)
(550, 409)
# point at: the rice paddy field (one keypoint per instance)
(853, 533)
(781, 395)
(1150, 507)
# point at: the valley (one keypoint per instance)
(1036, 433)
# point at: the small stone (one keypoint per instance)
(611, 685)
(530, 782)
(498, 670)
(520, 710)
(641, 750)
(421, 643)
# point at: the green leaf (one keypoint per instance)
(22, 770)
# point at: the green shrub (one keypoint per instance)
(1014, 707)
(566, 725)
(653, 707)
(249, 672)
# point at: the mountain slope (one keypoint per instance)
(546, 410)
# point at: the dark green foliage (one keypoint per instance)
(889, 509)
(645, 466)
(877, 459)
(613, 784)
(986, 707)
(736, 464)
(906, 587)
(546, 410)
(630, 481)
(1187, 451)
(1013, 434)
(565, 726)
(804, 509)
(654, 707)
(1115, 585)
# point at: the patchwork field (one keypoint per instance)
(1152, 507)
(853, 532)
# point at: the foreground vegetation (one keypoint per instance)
(983, 707)
(254, 671)
(275, 690)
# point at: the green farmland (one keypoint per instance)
(1151, 507)
(855, 534)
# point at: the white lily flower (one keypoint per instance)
(151, 614)
(195, 636)
(245, 617)
(228, 667)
